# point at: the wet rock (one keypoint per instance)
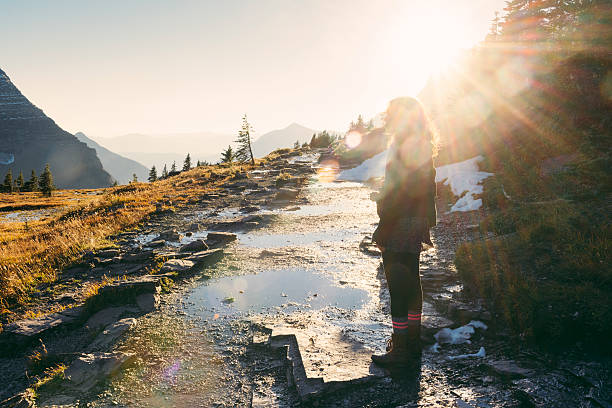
(194, 227)
(249, 209)
(108, 253)
(508, 369)
(138, 256)
(90, 369)
(170, 235)
(147, 302)
(177, 265)
(30, 328)
(25, 399)
(286, 194)
(156, 243)
(205, 256)
(105, 317)
(112, 332)
(216, 239)
(194, 246)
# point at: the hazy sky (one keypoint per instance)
(120, 66)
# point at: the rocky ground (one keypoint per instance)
(283, 307)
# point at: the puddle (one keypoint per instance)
(262, 241)
(288, 287)
(23, 216)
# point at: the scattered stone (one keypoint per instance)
(170, 235)
(90, 369)
(147, 302)
(138, 256)
(220, 238)
(108, 253)
(105, 317)
(156, 243)
(195, 227)
(205, 256)
(30, 328)
(508, 369)
(177, 265)
(287, 193)
(112, 333)
(194, 246)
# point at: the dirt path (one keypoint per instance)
(293, 312)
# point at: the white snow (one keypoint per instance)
(464, 179)
(460, 335)
(373, 167)
(480, 353)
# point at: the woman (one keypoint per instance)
(406, 207)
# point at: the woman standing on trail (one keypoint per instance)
(406, 207)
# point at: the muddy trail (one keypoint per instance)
(291, 313)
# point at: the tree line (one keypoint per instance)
(44, 183)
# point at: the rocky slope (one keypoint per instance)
(121, 168)
(29, 140)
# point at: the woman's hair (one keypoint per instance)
(408, 117)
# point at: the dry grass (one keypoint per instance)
(35, 253)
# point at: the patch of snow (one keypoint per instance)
(460, 335)
(435, 348)
(464, 179)
(371, 168)
(6, 158)
(480, 353)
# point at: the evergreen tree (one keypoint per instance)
(227, 156)
(46, 182)
(187, 163)
(296, 145)
(199, 164)
(115, 183)
(152, 174)
(173, 167)
(20, 182)
(8, 186)
(244, 152)
(32, 183)
(164, 172)
(134, 178)
(313, 140)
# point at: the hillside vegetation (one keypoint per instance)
(536, 100)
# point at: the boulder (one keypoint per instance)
(112, 332)
(220, 238)
(286, 193)
(90, 369)
(156, 243)
(170, 235)
(205, 256)
(177, 265)
(194, 246)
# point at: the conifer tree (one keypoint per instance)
(313, 141)
(152, 174)
(46, 182)
(173, 167)
(32, 183)
(187, 163)
(134, 178)
(8, 186)
(164, 172)
(20, 182)
(244, 152)
(296, 145)
(227, 156)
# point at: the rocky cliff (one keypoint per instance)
(30, 140)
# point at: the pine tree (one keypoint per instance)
(187, 163)
(227, 156)
(164, 172)
(173, 167)
(32, 183)
(244, 152)
(20, 182)
(46, 182)
(134, 178)
(152, 174)
(198, 164)
(8, 186)
(313, 141)
(115, 183)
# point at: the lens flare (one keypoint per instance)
(353, 139)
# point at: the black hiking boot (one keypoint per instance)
(401, 351)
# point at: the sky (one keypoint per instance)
(113, 67)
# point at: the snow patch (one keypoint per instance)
(464, 179)
(480, 353)
(460, 335)
(371, 168)
(6, 158)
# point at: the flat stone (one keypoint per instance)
(138, 256)
(195, 227)
(194, 246)
(177, 265)
(147, 302)
(35, 327)
(287, 193)
(170, 235)
(90, 369)
(156, 243)
(205, 256)
(112, 333)
(123, 291)
(105, 317)
(108, 253)
(509, 369)
(220, 238)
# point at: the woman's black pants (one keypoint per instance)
(404, 281)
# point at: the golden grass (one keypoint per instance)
(34, 254)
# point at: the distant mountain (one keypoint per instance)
(165, 148)
(30, 140)
(121, 168)
(276, 139)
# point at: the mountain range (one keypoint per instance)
(29, 140)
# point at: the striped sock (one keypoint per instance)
(414, 323)
(400, 325)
